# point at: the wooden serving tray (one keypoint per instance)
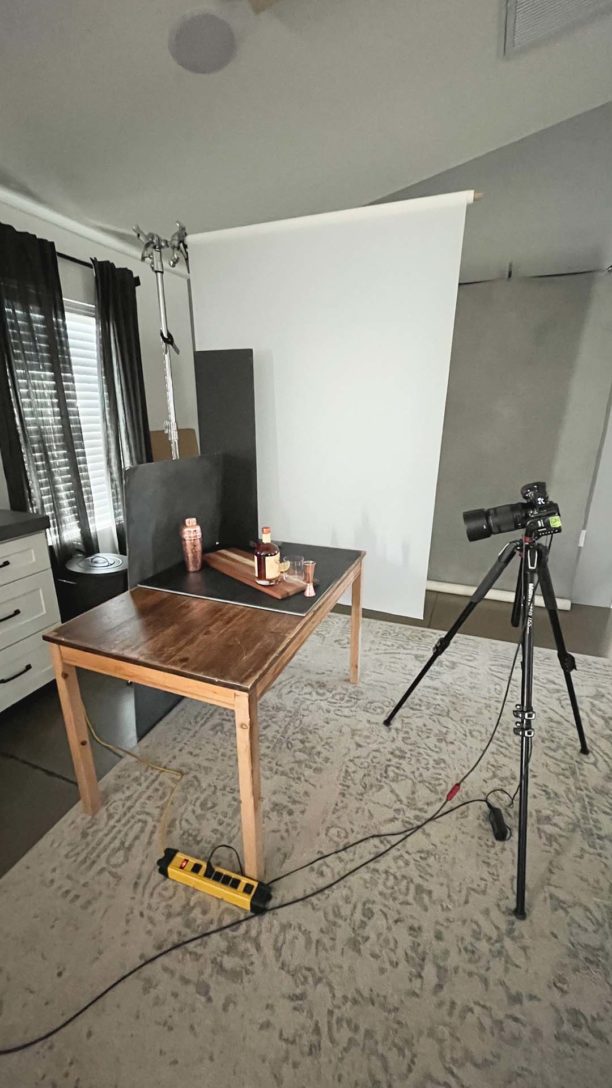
(239, 565)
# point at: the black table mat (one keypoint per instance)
(332, 563)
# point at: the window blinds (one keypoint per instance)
(82, 337)
(39, 415)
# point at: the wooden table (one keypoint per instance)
(219, 653)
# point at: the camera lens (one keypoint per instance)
(505, 519)
(480, 524)
(476, 524)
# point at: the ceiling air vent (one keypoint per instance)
(532, 21)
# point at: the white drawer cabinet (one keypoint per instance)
(28, 608)
(23, 556)
(24, 667)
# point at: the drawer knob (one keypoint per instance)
(11, 615)
(7, 679)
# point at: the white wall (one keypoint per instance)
(77, 279)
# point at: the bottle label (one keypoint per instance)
(273, 566)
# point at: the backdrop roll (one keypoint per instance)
(350, 317)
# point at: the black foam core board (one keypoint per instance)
(158, 497)
(332, 563)
(226, 417)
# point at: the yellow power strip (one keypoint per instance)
(240, 891)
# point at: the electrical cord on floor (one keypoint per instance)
(449, 797)
(500, 789)
(401, 836)
(159, 768)
(232, 849)
(185, 942)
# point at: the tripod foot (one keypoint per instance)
(584, 749)
(387, 722)
(520, 914)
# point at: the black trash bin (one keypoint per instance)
(88, 580)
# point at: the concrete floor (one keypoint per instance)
(37, 784)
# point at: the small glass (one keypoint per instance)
(309, 569)
(293, 567)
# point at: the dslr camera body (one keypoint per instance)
(537, 516)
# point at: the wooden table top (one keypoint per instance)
(224, 644)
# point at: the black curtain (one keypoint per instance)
(128, 441)
(40, 430)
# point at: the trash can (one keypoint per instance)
(88, 580)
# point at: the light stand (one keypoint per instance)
(152, 252)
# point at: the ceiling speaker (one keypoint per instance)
(202, 42)
(532, 21)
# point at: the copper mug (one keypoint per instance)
(309, 569)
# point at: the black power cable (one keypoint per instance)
(430, 819)
(437, 815)
(232, 849)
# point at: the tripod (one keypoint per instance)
(533, 569)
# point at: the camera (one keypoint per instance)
(537, 515)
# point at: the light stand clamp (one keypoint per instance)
(152, 253)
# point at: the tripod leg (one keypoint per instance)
(566, 660)
(519, 595)
(521, 870)
(503, 559)
(524, 717)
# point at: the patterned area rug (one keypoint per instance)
(412, 972)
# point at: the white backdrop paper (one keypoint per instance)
(350, 316)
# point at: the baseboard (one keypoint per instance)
(563, 604)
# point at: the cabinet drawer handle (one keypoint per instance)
(8, 679)
(11, 615)
(5, 563)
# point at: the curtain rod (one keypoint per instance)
(84, 264)
(74, 260)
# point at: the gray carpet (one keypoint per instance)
(413, 972)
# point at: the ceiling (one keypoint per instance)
(327, 104)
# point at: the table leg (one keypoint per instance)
(247, 746)
(76, 731)
(355, 628)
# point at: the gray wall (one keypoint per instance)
(527, 399)
(593, 584)
(547, 204)
(547, 208)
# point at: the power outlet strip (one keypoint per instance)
(241, 891)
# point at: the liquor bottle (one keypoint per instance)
(267, 560)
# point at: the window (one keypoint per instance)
(83, 341)
(39, 421)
